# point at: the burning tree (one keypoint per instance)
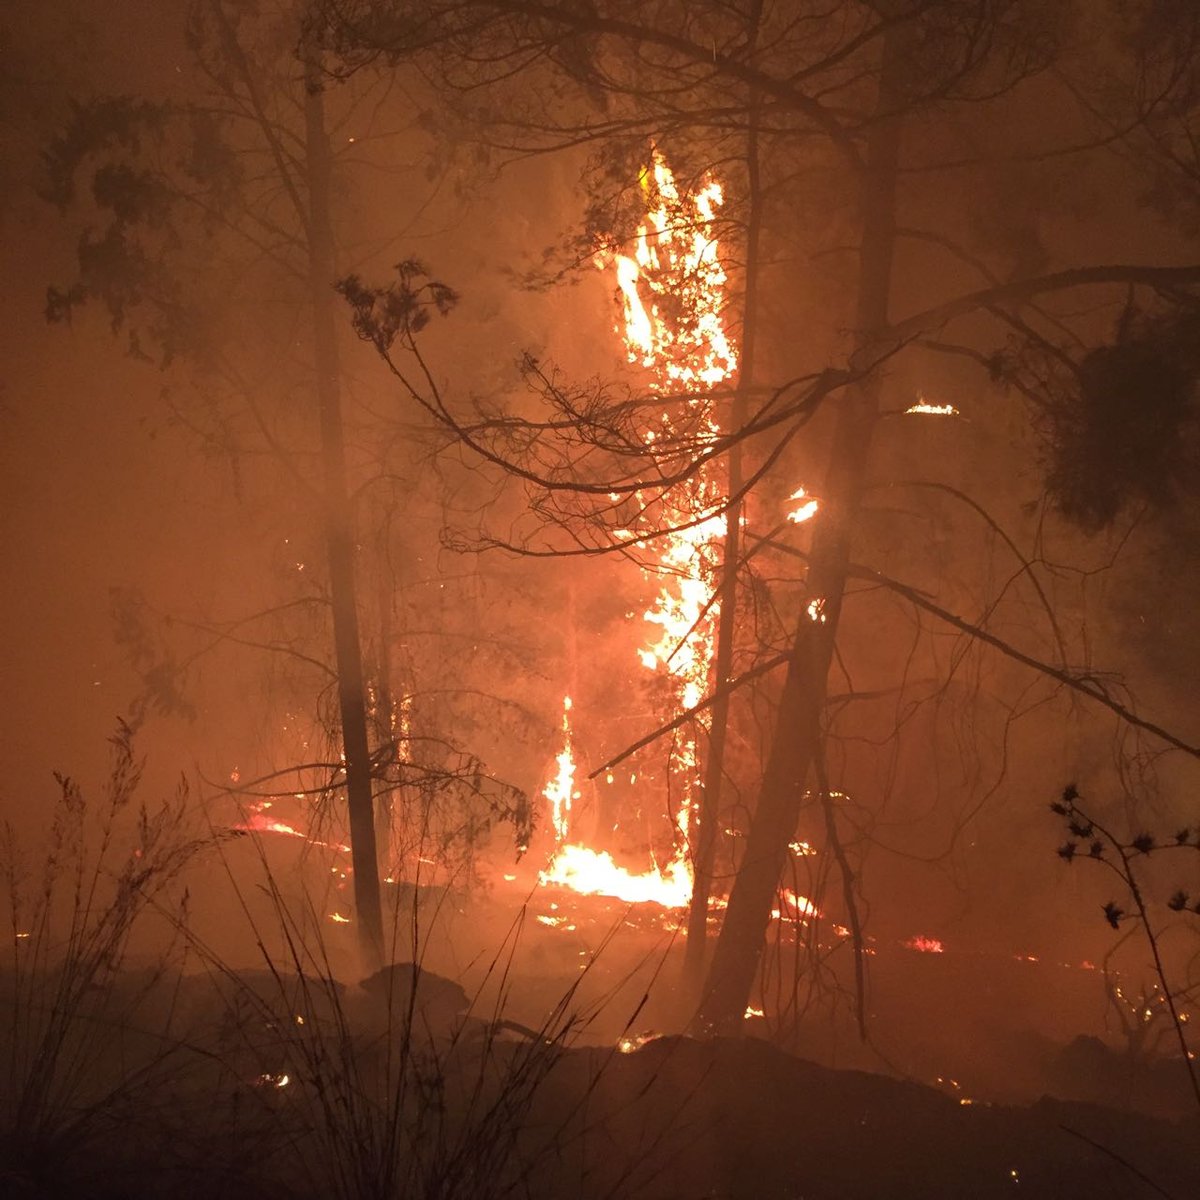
(877, 99)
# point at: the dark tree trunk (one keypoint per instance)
(385, 705)
(798, 724)
(339, 525)
(703, 833)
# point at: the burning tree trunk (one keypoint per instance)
(797, 741)
(339, 524)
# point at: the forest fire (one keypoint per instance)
(449, 752)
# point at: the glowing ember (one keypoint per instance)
(935, 410)
(806, 510)
(635, 1041)
(925, 945)
(257, 821)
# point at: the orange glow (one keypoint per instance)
(934, 410)
(925, 945)
(256, 821)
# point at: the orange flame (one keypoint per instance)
(676, 266)
(672, 296)
(560, 791)
(593, 872)
(925, 945)
(676, 258)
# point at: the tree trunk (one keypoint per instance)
(798, 724)
(703, 833)
(385, 705)
(339, 525)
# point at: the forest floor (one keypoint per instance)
(552, 1069)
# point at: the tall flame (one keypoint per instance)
(560, 791)
(672, 296)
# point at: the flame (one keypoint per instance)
(676, 267)
(256, 821)
(806, 509)
(671, 287)
(794, 907)
(593, 872)
(560, 791)
(925, 945)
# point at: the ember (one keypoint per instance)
(925, 945)
(935, 410)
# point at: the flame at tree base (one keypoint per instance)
(593, 872)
